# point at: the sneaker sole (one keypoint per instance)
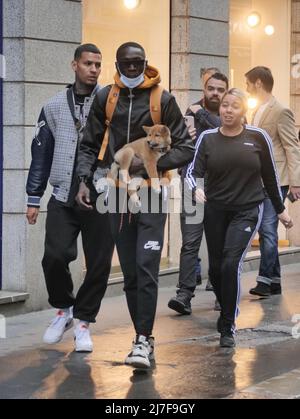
(259, 294)
(227, 346)
(178, 307)
(68, 326)
(138, 363)
(83, 350)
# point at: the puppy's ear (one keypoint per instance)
(165, 130)
(146, 129)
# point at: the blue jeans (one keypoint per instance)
(269, 270)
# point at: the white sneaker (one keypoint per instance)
(82, 338)
(59, 325)
(139, 357)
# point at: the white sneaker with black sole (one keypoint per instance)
(82, 338)
(59, 325)
(139, 357)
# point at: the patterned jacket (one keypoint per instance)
(54, 148)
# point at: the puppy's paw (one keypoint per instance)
(134, 203)
(155, 185)
(156, 190)
(138, 204)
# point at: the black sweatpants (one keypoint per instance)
(63, 225)
(228, 235)
(191, 241)
(139, 239)
(191, 224)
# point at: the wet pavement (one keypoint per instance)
(189, 362)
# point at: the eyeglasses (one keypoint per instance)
(138, 64)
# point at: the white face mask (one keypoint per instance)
(132, 83)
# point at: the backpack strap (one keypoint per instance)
(111, 103)
(155, 110)
(155, 103)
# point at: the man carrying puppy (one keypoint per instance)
(139, 237)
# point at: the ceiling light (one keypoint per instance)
(269, 30)
(253, 20)
(131, 4)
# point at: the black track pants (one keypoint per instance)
(228, 235)
(63, 226)
(139, 243)
(191, 224)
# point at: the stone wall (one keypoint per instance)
(199, 39)
(40, 37)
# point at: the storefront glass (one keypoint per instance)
(260, 34)
(110, 23)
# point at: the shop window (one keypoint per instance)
(109, 23)
(260, 34)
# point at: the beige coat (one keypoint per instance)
(279, 123)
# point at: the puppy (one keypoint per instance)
(149, 149)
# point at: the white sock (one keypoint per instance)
(83, 323)
(67, 311)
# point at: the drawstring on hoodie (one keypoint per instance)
(131, 96)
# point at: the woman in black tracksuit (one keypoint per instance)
(239, 164)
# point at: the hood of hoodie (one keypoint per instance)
(152, 78)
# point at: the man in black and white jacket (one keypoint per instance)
(54, 155)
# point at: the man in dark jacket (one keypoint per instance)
(206, 116)
(54, 152)
(139, 236)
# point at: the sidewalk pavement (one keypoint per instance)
(189, 362)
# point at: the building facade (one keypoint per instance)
(181, 37)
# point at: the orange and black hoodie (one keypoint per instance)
(131, 113)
